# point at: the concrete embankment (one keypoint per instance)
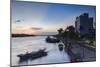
(79, 52)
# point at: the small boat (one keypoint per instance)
(32, 55)
(52, 40)
(60, 47)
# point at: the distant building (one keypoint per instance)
(84, 25)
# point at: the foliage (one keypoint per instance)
(60, 30)
(69, 32)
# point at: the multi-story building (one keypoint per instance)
(84, 25)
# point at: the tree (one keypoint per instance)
(71, 28)
(60, 30)
(71, 32)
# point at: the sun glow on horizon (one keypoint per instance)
(37, 18)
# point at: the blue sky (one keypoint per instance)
(33, 17)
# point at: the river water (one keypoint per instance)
(21, 45)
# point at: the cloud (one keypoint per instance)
(20, 20)
(19, 26)
(35, 28)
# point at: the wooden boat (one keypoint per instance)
(32, 55)
(52, 40)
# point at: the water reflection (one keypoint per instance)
(21, 45)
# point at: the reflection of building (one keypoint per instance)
(84, 25)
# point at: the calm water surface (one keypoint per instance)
(21, 45)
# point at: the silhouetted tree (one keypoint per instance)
(60, 30)
(71, 29)
(69, 32)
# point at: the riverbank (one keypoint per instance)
(21, 35)
(79, 51)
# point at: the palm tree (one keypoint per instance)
(60, 30)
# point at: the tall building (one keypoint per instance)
(84, 25)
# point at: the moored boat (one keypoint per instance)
(33, 55)
(60, 47)
(52, 40)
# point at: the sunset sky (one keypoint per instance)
(45, 18)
